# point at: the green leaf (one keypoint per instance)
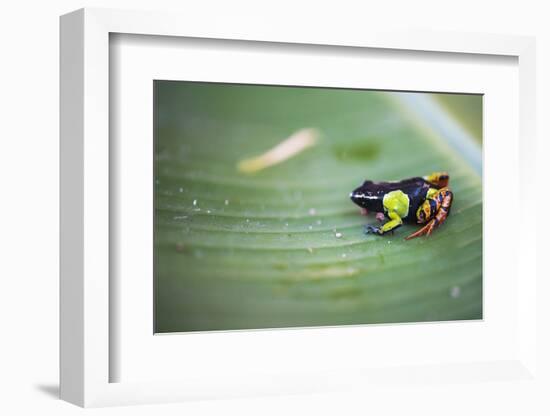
(239, 251)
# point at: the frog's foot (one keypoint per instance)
(394, 222)
(435, 210)
(426, 230)
(371, 229)
(364, 211)
(380, 216)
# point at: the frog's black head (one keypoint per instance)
(369, 195)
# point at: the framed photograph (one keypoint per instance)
(272, 212)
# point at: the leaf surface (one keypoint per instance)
(241, 251)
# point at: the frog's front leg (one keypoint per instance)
(394, 222)
(433, 212)
(396, 205)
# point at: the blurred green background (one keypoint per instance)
(242, 251)
(466, 109)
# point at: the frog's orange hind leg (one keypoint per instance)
(426, 230)
(434, 210)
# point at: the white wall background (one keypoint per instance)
(29, 199)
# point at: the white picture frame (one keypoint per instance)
(86, 355)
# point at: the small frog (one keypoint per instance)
(420, 200)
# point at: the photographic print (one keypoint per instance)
(289, 206)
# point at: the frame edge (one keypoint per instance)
(71, 218)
